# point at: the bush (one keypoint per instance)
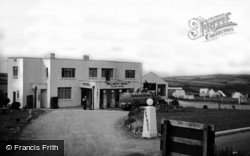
(15, 105)
(205, 107)
(129, 121)
(175, 103)
(135, 112)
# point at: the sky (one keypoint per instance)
(153, 32)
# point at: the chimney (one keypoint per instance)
(52, 55)
(85, 57)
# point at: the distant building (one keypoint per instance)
(190, 97)
(3, 83)
(211, 93)
(179, 94)
(171, 90)
(70, 80)
(204, 92)
(237, 95)
(221, 93)
(154, 83)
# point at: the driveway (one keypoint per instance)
(90, 132)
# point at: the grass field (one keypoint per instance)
(13, 121)
(223, 119)
(227, 83)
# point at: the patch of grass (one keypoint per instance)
(223, 119)
(14, 121)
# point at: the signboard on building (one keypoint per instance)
(117, 84)
(85, 84)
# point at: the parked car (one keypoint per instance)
(135, 100)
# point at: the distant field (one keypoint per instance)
(227, 83)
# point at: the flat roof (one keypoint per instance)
(71, 59)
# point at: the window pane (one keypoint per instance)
(107, 72)
(64, 93)
(130, 74)
(92, 72)
(15, 71)
(68, 72)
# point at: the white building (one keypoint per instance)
(155, 83)
(204, 92)
(237, 95)
(37, 80)
(211, 93)
(179, 93)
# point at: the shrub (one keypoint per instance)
(135, 112)
(129, 121)
(175, 103)
(205, 107)
(15, 105)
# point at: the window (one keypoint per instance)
(92, 72)
(64, 93)
(68, 72)
(15, 71)
(47, 72)
(107, 72)
(17, 94)
(130, 74)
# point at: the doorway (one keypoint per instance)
(162, 89)
(14, 96)
(88, 93)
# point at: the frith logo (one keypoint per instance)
(8, 147)
(210, 28)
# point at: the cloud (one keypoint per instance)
(151, 32)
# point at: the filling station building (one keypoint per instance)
(37, 80)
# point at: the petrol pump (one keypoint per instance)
(105, 101)
(112, 103)
(120, 94)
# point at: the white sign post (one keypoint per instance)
(149, 121)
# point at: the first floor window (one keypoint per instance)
(92, 72)
(130, 74)
(64, 93)
(15, 71)
(107, 72)
(17, 94)
(47, 72)
(68, 72)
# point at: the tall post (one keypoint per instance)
(149, 121)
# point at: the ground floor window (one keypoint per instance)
(64, 93)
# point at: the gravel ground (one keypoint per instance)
(90, 132)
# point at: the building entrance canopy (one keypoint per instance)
(86, 84)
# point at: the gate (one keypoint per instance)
(187, 138)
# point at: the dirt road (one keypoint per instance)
(91, 132)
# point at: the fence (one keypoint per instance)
(187, 138)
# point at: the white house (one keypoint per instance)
(204, 92)
(221, 93)
(211, 93)
(70, 80)
(155, 83)
(237, 95)
(179, 94)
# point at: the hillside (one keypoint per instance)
(227, 83)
